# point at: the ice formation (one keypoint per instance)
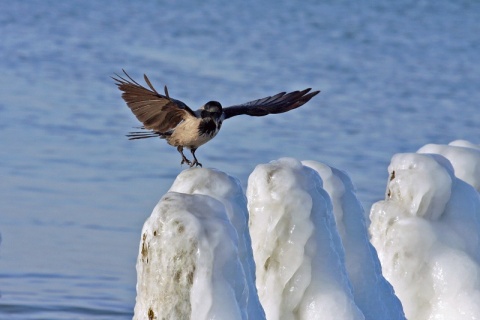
(229, 192)
(191, 262)
(298, 253)
(372, 293)
(427, 231)
(464, 157)
(309, 255)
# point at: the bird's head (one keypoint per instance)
(212, 109)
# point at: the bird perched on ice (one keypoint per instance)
(172, 120)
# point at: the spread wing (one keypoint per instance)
(279, 103)
(157, 112)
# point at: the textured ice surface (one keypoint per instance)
(310, 244)
(464, 157)
(189, 264)
(229, 192)
(299, 256)
(426, 233)
(195, 256)
(372, 293)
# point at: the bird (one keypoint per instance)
(182, 127)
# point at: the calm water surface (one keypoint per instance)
(74, 192)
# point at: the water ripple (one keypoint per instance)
(52, 311)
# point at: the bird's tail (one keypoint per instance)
(135, 135)
(143, 135)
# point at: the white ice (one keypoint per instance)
(464, 157)
(300, 209)
(191, 262)
(372, 293)
(427, 231)
(229, 192)
(310, 255)
(298, 253)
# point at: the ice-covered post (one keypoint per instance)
(426, 232)
(372, 292)
(298, 252)
(189, 264)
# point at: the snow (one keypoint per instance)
(298, 245)
(427, 229)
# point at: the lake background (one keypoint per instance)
(74, 192)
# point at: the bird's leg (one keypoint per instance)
(184, 159)
(195, 161)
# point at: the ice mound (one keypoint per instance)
(229, 192)
(298, 253)
(464, 157)
(195, 256)
(464, 143)
(191, 262)
(427, 230)
(372, 293)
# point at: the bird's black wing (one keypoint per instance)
(157, 112)
(279, 103)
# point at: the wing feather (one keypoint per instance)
(157, 112)
(279, 103)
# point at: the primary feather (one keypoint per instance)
(279, 103)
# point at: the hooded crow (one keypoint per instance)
(172, 120)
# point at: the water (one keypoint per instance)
(75, 192)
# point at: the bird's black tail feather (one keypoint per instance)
(143, 135)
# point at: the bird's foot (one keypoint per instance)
(185, 160)
(195, 163)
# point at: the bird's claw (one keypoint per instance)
(190, 163)
(196, 164)
(185, 160)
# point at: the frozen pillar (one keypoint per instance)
(195, 259)
(298, 252)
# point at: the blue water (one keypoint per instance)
(74, 192)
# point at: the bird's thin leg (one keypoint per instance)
(184, 159)
(195, 161)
